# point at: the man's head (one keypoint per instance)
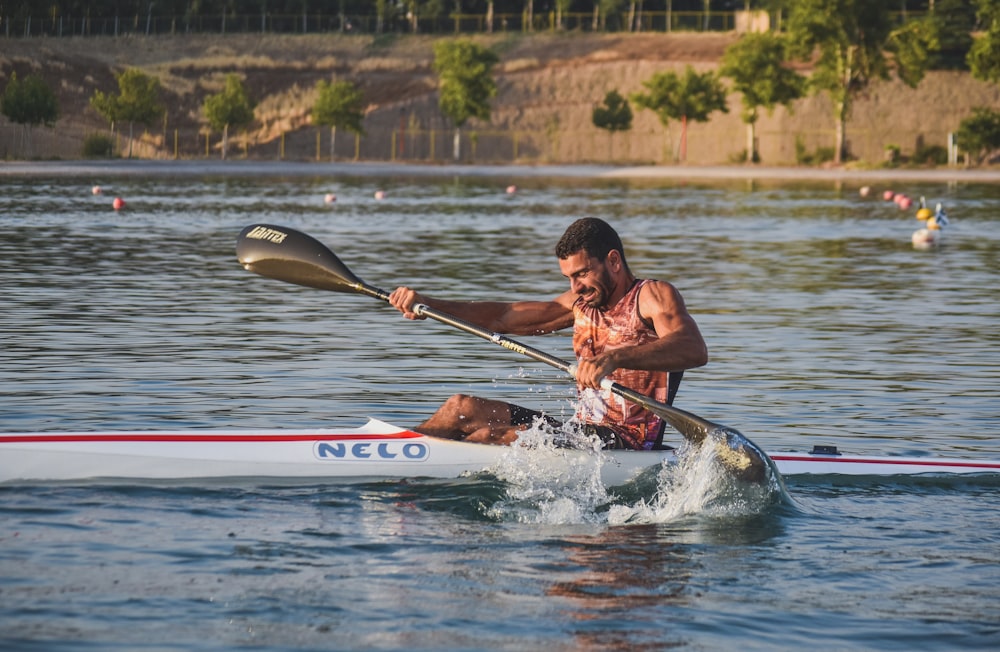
(591, 257)
(593, 236)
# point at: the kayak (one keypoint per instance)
(376, 450)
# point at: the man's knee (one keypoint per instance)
(460, 404)
(473, 407)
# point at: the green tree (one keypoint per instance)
(338, 104)
(984, 55)
(231, 107)
(29, 103)
(850, 43)
(137, 101)
(756, 64)
(691, 97)
(614, 115)
(466, 83)
(979, 134)
(952, 23)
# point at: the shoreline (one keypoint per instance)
(125, 168)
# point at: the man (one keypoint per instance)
(636, 332)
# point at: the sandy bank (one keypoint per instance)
(134, 168)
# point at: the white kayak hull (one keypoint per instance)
(375, 450)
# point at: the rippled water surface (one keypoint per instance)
(824, 326)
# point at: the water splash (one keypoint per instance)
(699, 484)
(550, 484)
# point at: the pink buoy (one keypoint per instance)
(96, 190)
(888, 195)
(380, 195)
(864, 191)
(118, 203)
(905, 203)
(330, 198)
(511, 189)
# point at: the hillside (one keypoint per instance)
(548, 85)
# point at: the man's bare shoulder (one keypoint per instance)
(658, 296)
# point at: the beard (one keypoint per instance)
(596, 295)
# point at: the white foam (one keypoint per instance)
(547, 486)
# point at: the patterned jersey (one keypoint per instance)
(596, 331)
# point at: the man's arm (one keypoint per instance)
(679, 346)
(516, 318)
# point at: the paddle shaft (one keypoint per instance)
(680, 419)
(294, 257)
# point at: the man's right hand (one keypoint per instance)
(403, 299)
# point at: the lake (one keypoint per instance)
(824, 326)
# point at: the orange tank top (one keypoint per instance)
(596, 331)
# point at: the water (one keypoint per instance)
(823, 324)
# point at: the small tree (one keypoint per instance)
(614, 115)
(979, 134)
(29, 103)
(984, 55)
(229, 108)
(848, 41)
(338, 104)
(756, 64)
(952, 23)
(465, 71)
(137, 101)
(691, 97)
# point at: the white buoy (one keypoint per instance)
(927, 237)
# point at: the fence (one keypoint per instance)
(412, 145)
(427, 146)
(312, 23)
(62, 26)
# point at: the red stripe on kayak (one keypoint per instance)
(189, 437)
(900, 462)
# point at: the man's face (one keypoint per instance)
(588, 277)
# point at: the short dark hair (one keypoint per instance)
(593, 236)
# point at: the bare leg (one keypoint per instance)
(473, 419)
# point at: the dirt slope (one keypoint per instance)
(548, 85)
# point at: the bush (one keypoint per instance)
(820, 156)
(741, 156)
(893, 154)
(98, 146)
(979, 134)
(931, 155)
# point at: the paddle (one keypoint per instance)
(288, 255)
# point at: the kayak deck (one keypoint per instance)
(375, 450)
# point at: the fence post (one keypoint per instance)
(175, 145)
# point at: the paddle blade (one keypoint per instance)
(740, 456)
(288, 255)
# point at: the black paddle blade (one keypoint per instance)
(288, 255)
